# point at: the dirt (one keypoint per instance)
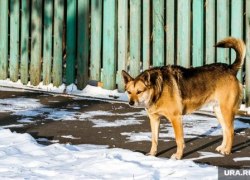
(85, 133)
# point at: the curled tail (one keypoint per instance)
(240, 48)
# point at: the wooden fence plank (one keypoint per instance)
(58, 34)
(24, 64)
(122, 41)
(198, 24)
(183, 33)
(135, 37)
(210, 32)
(96, 40)
(82, 43)
(47, 41)
(146, 34)
(4, 39)
(36, 42)
(248, 53)
(71, 41)
(222, 29)
(14, 40)
(170, 31)
(158, 32)
(109, 50)
(236, 27)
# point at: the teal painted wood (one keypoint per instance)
(4, 39)
(71, 41)
(122, 41)
(135, 37)
(222, 29)
(24, 64)
(82, 43)
(158, 33)
(198, 30)
(36, 42)
(58, 50)
(47, 41)
(96, 40)
(14, 40)
(248, 53)
(146, 34)
(210, 32)
(109, 56)
(183, 33)
(170, 31)
(236, 27)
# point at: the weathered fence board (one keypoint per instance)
(71, 41)
(96, 39)
(146, 34)
(247, 19)
(158, 33)
(14, 39)
(170, 31)
(198, 29)
(82, 43)
(58, 35)
(24, 44)
(222, 29)
(47, 41)
(36, 42)
(4, 39)
(210, 31)
(135, 37)
(122, 40)
(183, 33)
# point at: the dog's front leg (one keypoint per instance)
(178, 130)
(154, 123)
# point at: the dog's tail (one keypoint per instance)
(240, 48)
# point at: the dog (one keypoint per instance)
(172, 91)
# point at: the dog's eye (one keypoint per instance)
(139, 92)
(129, 92)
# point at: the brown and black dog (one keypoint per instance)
(172, 91)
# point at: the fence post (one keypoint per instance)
(170, 32)
(24, 68)
(109, 44)
(146, 34)
(82, 43)
(47, 41)
(210, 32)
(236, 27)
(183, 33)
(158, 32)
(36, 42)
(4, 39)
(248, 53)
(122, 41)
(135, 37)
(198, 24)
(222, 29)
(14, 40)
(96, 39)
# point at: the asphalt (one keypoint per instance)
(111, 136)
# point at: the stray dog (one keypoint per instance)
(173, 91)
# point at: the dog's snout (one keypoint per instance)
(131, 103)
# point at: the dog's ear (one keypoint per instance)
(146, 78)
(126, 77)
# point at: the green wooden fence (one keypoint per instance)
(74, 41)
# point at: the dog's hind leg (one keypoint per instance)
(178, 130)
(155, 124)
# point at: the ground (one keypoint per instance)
(65, 119)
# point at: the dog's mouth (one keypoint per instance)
(137, 104)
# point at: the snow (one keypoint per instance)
(242, 159)
(21, 157)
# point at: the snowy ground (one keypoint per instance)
(21, 157)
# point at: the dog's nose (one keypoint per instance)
(131, 103)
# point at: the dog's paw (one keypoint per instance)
(151, 154)
(221, 149)
(176, 156)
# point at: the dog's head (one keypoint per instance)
(143, 90)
